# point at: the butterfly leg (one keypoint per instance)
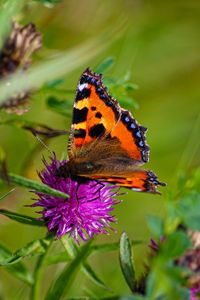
(77, 193)
(102, 185)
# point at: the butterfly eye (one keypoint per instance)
(89, 166)
(62, 171)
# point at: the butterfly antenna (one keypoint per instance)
(43, 144)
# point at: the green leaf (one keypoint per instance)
(126, 261)
(182, 180)
(166, 281)
(105, 65)
(122, 91)
(173, 219)
(34, 185)
(182, 293)
(62, 107)
(18, 270)
(94, 277)
(156, 225)
(151, 280)
(130, 87)
(163, 285)
(63, 282)
(188, 210)
(33, 248)
(175, 244)
(130, 101)
(21, 218)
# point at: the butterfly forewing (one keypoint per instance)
(95, 113)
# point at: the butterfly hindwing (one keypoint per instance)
(138, 180)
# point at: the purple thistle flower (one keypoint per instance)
(195, 293)
(86, 211)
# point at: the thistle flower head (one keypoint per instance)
(16, 55)
(18, 48)
(85, 212)
(195, 293)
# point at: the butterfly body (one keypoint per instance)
(106, 143)
(102, 167)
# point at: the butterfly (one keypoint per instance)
(106, 143)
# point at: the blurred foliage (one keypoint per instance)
(156, 46)
(8, 9)
(48, 1)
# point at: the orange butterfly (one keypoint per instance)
(106, 143)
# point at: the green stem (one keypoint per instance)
(35, 293)
(64, 281)
(71, 252)
(34, 185)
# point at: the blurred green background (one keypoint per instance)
(160, 46)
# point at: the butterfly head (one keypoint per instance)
(63, 171)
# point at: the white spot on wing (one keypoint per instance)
(82, 86)
(136, 189)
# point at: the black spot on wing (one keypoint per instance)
(98, 115)
(97, 130)
(83, 79)
(79, 133)
(93, 108)
(79, 115)
(80, 95)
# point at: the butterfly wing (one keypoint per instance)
(131, 137)
(95, 113)
(106, 142)
(97, 116)
(138, 180)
